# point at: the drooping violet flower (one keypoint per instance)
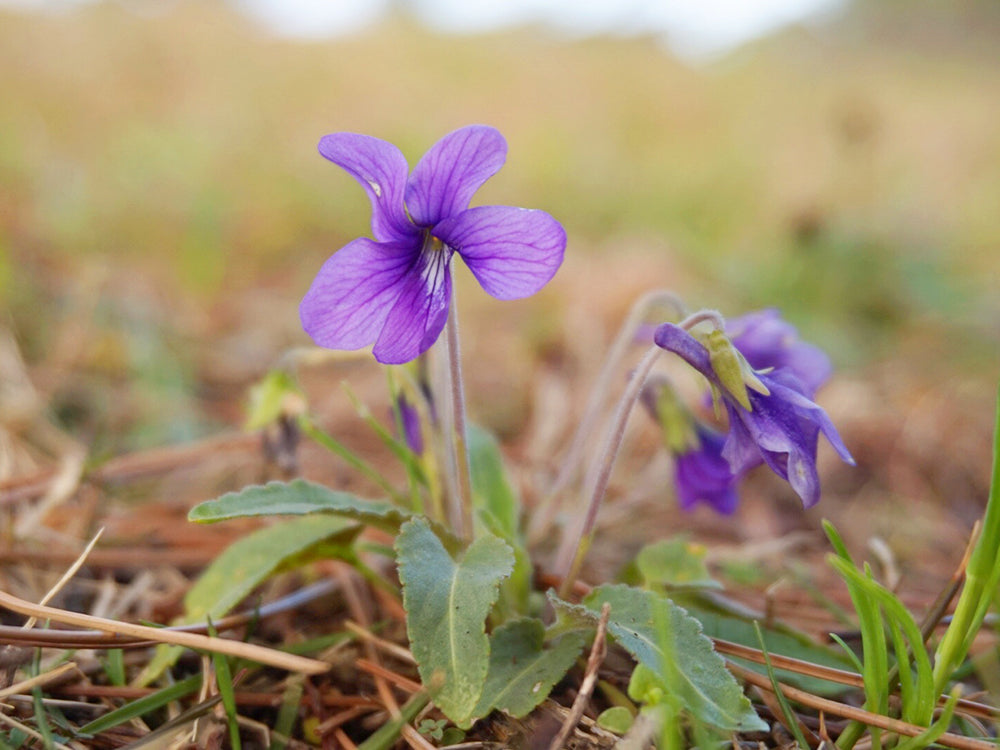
(771, 419)
(394, 291)
(768, 342)
(701, 474)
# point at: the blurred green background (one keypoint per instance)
(163, 207)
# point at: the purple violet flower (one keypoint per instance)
(767, 341)
(772, 420)
(393, 291)
(702, 474)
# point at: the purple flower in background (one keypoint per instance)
(772, 421)
(767, 342)
(410, 419)
(702, 474)
(394, 291)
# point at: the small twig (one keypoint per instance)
(597, 652)
(30, 732)
(940, 606)
(64, 484)
(66, 577)
(377, 670)
(117, 558)
(415, 739)
(344, 740)
(26, 685)
(774, 706)
(403, 654)
(855, 714)
(361, 613)
(832, 674)
(101, 639)
(249, 651)
(340, 718)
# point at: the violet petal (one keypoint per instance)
(349, 300)
(381, 170)
(673, 338)
(703, 475)
(513, 252)
(445, 179)
(420, 311)
(768, 341)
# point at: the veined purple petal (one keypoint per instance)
(787, 389)
(513, 252)
(381, 169)
(445, 179)
(740, 450)
(768, 341)
(673, 338)
(353, 293)
(703, 475)
(420, 311)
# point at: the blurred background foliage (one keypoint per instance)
(163, 207)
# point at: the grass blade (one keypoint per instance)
(142, 706)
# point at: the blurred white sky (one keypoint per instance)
(693, 28)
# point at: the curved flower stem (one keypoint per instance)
(542, 517)
(574, 546)
(461, 510)
(712, 316)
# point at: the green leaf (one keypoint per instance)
(522, 672)
(499, 507)
(675, 564)
(670, 643)
(491, 486)
(224, 681)
(617, 719)
(447, 603)
(299, 497)
(288, 714)
(778, 638)
(791, 721)
(141, 706)
(917, 692)
(645, 687)
(248, 562)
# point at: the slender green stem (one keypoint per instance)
(981, 578)
(335, 446)
(461, 516)
(575, 545)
